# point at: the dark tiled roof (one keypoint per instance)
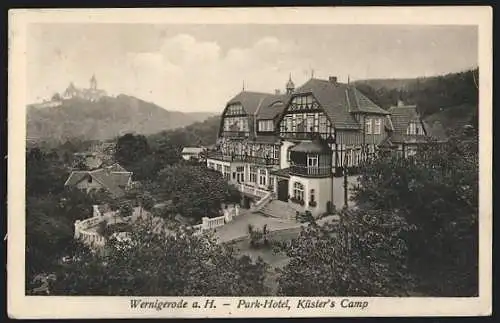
(401, 117)
(358, 102)
(250, 101)
(272, 106)
(114, 178)
(115, 182)
(333, 98)
(314, 146)
(75, 177)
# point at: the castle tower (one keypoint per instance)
(93, 83)
(290, 86)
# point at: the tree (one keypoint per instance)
(437, 192)
(131, 148)
(194, 190)
(150, 263)
(125, 210)
(363, 256)
(45, 172)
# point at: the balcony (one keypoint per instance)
(235, 134)
(299, 135)
(243, 158)
(307, 136)
(310, 171)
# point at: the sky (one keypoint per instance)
(200, 67)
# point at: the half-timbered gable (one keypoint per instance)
(238, 117)
(289, 146)
(303, 118)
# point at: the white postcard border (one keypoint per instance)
(21, 306)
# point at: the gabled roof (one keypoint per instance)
(115, 182)
(250, 101)
(358, 102)
(272, 106)
(333, 99)
(114, 178)
(401, 116)
(75, 177)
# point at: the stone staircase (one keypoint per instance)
(278, 209)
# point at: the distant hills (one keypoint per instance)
(450, 99)
(202, 133)
(104, 119)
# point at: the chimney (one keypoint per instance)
(332, 79)
(401, 103)
(277, 92)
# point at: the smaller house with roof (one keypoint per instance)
(192, 153)
(115, 179)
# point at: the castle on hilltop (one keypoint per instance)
(91, 94)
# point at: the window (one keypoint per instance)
(298, 191)
(253, 174)
(312, 196)
(303, 103)
(211, 165)
(90, 179)
(266, 125)
(276, 152)
(219, 168)
(240, 174)
(262, 177)
(414, 129)
(368, 126)
(235, 109)
(236, 124)
(378, 127)
(227, 172)
(312, 161)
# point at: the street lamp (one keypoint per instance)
(345, 176)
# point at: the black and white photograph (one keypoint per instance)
(192, 168)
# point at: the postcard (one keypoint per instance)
(250, 162)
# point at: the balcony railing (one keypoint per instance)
(306, 135)
(298, 135)
(243, 158)
(235, 134)
(310, 171)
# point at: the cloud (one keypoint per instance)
(185, 69)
